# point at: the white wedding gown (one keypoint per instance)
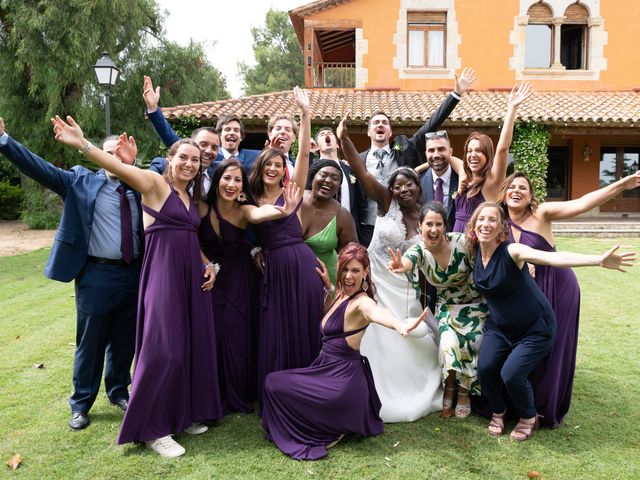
(405, 369)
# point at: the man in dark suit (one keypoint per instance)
(384, 157)
(439, 181)
(99, 245)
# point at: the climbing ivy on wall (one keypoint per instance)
(529, 149)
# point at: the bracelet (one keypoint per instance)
(216, 267)
(331, 289)
(87, 146)
(254, 251)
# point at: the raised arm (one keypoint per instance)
(418, 140)
(398, 263)
(46, 174)
(151, 99)
(148, 183)
(550, 211)
(374, 189)
(498, 173)
(304, 137)
(610, 259)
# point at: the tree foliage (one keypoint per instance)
(279, 61)
(529, 149)
(47, 50)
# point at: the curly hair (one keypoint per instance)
(470, 234)
(473, 183)
(502, 196)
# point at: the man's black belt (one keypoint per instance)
(109, 261)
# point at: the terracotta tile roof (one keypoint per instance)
(297, 14)
(476, 108)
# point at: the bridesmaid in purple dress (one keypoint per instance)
(481, 174)
(531, 225)
(228, 210)
(307, 410)
(175, 381)
(291, 296)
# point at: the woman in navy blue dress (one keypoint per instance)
(521, 326)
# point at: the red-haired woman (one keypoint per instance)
(306, 410)
(481, 173)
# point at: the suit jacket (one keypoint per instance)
(428, 194)
(78, 188)
(168, 136)
(410, 152)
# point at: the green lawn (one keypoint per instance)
(600, 438)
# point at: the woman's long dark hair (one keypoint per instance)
(471, 186)
(212, 196)
(255, 178)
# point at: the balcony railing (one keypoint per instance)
(334, 75)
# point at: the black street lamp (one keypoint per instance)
(107, 74)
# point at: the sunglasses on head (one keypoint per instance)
(438, 134)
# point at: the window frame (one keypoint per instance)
(426, 27)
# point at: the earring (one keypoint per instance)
(473, 235)
(365, 285)
(242, 197)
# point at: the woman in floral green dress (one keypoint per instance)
(460, 310)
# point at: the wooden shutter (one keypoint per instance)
(427, 18)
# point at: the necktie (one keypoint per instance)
(126, 228)
(439, 193)
(379, 154)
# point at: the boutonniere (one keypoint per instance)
(454, 194)
(352, 178)
(397, 147)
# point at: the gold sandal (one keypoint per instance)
(462, 411)
(447, 403)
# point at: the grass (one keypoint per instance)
(599, 439)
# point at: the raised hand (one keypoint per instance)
(630, 181)
(68, 133)
(126, 149)
(466, 79)
(314, 146)
(520, 93)
(292, 195)
(1, 126)
(151, 96)
(342, 132)
(417, 322)
(302, 100)
(615, 261)
(395, 264)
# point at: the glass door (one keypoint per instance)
(615, 163)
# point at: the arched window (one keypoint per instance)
(539, 42)
(574, 37)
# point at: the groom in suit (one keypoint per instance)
(439, 181)
(98, 244)
(384, 157)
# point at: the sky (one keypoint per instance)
(224, 27)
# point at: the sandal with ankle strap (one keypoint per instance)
(462, 411)
(526, 429)
(498, 425)
(447, 403)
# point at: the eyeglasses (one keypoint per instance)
(438, 134)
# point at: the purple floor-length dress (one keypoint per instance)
(175, 380)
(307, 408)
(465, 206)
(231, 312)
(292, 298)
(552, 381)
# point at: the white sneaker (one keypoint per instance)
(166, 447)
(197, 429)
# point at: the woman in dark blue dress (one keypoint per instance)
(522, 325)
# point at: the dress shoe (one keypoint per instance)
(122, 404)
(79, 420)
(165, 447)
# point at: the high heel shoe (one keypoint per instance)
(447, 403)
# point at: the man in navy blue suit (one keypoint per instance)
(439, 181)
(99, 245)
(216, 144)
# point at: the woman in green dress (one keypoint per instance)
(460, 310)
(326, 225)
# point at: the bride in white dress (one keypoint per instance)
(405, 369)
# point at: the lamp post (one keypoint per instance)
(107, 74)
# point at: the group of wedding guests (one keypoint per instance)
(243, 296)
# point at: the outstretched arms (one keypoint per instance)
(304, 137)
(610, 259)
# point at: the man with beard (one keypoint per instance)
(384, 157)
